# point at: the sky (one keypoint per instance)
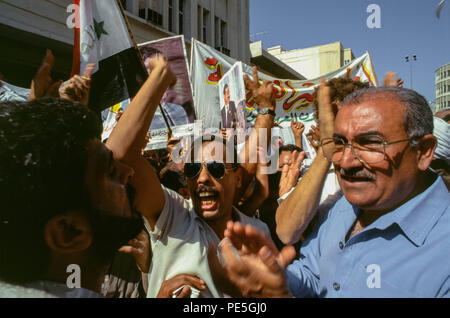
(408, 27)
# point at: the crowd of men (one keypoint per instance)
(370, 217)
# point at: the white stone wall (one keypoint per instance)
(305, 61)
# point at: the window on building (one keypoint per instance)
(223, 34)
(150, 11)
(181, 17)
(217, 34)
(171, 15)
(199, 22)
(142, 9)
(205, 26)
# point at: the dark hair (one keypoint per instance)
(224, 88)
(172, 178)
(43, 159)
(418, 120)
(340, 88)
(290, 148)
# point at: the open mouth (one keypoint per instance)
(208, 200)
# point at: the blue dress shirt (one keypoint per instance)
(404, 253)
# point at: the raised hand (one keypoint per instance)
(139, 248)
(42, 85)
(158, 61)
(172, 142)
(78, 87)
(262, 93)
(147, 138)
(390, 80)
(297, 129)
(314, 137)
(250, 263)
(169, 286)
(326, 114)
(290, 174)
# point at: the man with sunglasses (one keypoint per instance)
(180, 235)
(388, 235)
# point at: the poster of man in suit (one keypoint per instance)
(232, 99)
(229, 115)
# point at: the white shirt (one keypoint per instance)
(180, 243)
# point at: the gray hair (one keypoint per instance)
(418, 115)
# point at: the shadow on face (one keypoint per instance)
(381, 185)
(213, 196)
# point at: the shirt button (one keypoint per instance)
(341, 245)
(336, 286)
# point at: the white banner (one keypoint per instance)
(10, 92)
(294, 98)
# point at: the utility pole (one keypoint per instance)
(414, 58)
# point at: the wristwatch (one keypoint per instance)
(266, 111)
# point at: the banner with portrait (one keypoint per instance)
(294, 98)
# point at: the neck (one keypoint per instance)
(219, 225)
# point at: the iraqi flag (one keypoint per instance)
(103, 38)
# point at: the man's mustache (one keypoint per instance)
(205, 188)
(358, 173)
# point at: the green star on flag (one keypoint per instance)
(99, 29)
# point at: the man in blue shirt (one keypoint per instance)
(388, 235)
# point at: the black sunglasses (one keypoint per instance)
(215, 169)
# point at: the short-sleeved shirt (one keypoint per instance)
(180, 241)
(403, 253)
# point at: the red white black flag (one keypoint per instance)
(104, 39)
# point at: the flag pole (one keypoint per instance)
(119, 3)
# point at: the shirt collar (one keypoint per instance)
(417, 216)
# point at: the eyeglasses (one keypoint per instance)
(367, 149)
(215, 169)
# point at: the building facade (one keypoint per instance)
(315, 61)
(222, 24)
(28, 27)
(443, 87)
(270, 65)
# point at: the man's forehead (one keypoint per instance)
(382, 114)
(209, 150)
(285, 154)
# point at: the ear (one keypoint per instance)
(426, 147)
(238, 178)
(68, 233)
